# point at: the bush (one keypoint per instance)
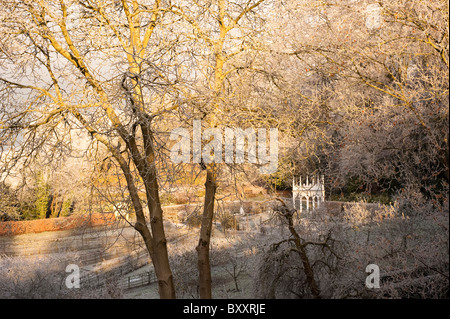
(9, 204)
(185, 273)
(32, 278)
(194, 219)
(44, 277)
(42, 195)
(227, 220)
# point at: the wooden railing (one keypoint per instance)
(139, 280)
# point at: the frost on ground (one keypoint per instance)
(410, 247)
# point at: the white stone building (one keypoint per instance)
(308, 194)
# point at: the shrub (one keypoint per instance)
(44, 277)
(194, 219)
(227, 220)
(42, 195)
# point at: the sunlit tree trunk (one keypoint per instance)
(204, 266)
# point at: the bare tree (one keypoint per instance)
(224, 29)
(84, 64)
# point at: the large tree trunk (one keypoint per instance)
(204, 267)
(155, 241)
(160, 256)
(160, 259)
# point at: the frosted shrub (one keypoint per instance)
(44, 277)
(185, 273)
(31, 278)
(411, 202)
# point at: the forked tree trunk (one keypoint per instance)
(301, 250)
(204, 267)
(155, 241)
(307, 268)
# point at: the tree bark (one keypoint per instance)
(160, 259)
(204, 267)
(155, 241)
